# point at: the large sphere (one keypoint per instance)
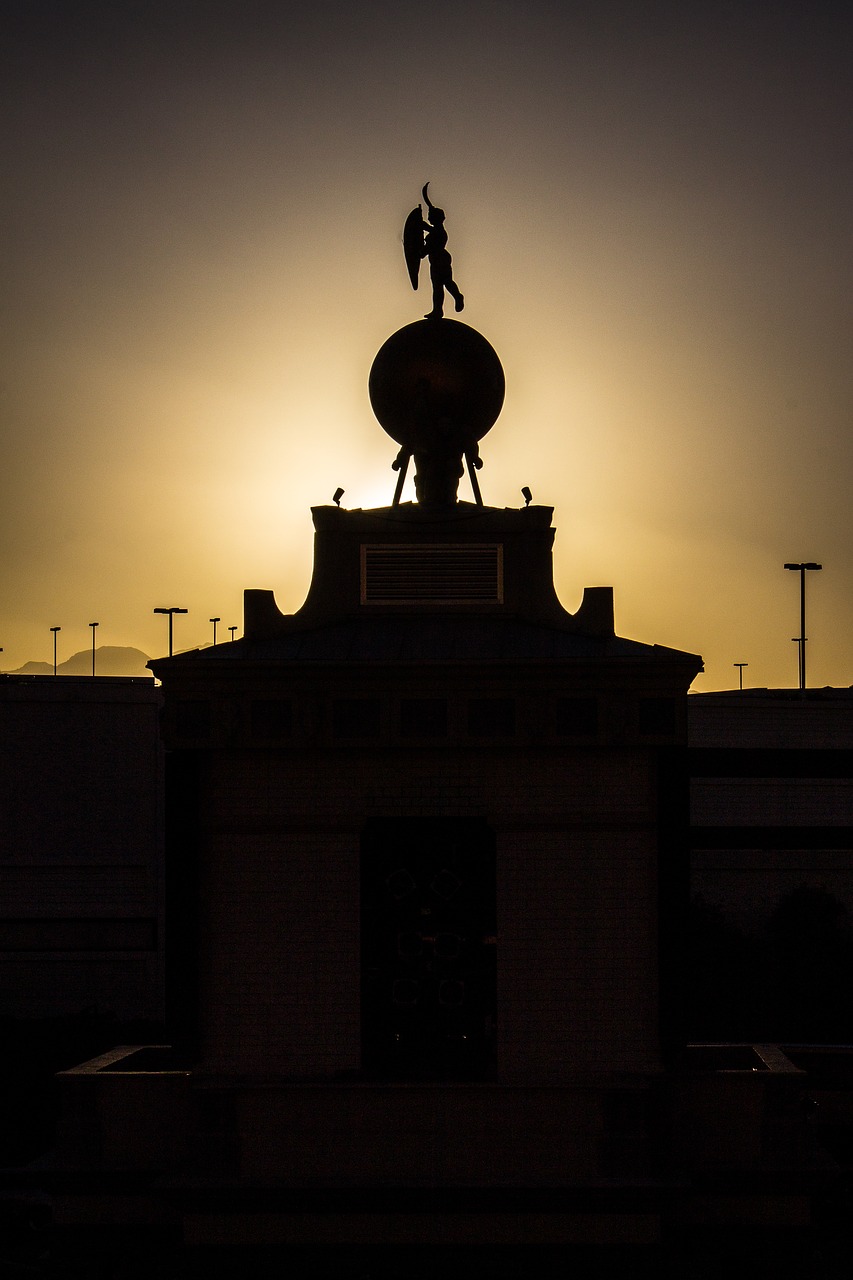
(436, 375)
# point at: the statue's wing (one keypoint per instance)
(413, 243)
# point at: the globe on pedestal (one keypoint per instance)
(437, 387)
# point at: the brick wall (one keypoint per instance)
(576, 885)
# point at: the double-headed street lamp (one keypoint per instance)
(171, 612)
(93, 625)
(803, 568)
(55, 630)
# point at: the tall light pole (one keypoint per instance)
(214, 621)
(93, 625)
(54, 630)
(740, 666)
(231, 629)
(803, 568)
(171, 611)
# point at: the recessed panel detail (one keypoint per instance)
(411, 573)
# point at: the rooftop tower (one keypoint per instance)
(427, 856)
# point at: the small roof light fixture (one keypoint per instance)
(337, 495)
(802, 568)
(173, 609)
(527, 496)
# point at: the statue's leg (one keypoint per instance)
(437, 299)
(453, 289)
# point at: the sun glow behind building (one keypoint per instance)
(649, 222)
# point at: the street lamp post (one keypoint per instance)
(232, 630)
(803, 568)
(740, 666)
(214, 621)
(54, 630)
(93, 625)
(171, 612)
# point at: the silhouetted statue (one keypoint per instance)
(436, 388)
(429, 240)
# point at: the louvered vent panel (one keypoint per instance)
(401, 574)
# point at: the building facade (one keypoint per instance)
(81, 848)
(427, 862)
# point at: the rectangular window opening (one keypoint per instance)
(271, 719)
(577, 717)
(193, 718)
(423, 718)
(491, 717)
(356, 717)
(658, 717)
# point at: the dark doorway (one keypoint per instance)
(428, 946)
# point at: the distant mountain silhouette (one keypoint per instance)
(110, 660)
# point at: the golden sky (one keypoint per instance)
(649, 210)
